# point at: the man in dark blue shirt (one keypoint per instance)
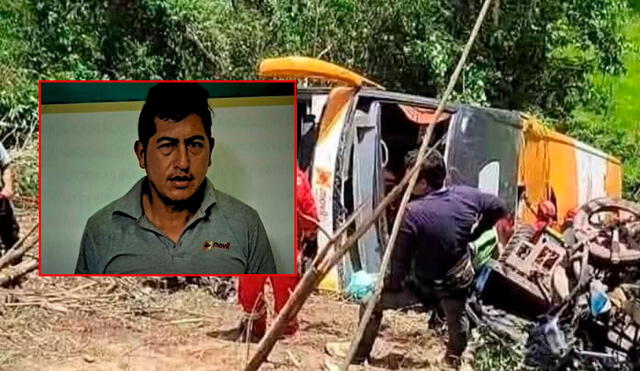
(431, 259)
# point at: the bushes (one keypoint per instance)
(531, 55)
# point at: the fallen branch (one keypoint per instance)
(314, 221)
(187, 320)
(337, 235)
(293, 359)
(11, 274)
(87, 285)
(18, 250)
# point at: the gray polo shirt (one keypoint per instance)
(225, 236)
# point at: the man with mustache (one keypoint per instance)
(173, 221)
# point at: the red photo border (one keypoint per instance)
(295, 150)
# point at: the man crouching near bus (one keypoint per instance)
(431, 259)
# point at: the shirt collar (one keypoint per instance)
(131, 203)
(440, 191)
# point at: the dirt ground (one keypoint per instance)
(174, 332)
(109, 323)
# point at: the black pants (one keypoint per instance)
(9, 229)
(452, 302)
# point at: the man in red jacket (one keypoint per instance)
(251, 288)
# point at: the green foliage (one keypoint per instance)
(19, 90)
(492, 355)
(531, 54)
(610, 120)
(540, 55)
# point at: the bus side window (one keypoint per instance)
(489, 178)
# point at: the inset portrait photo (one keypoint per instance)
(167, 178)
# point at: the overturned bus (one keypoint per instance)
(353, 138)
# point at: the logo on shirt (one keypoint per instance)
(208, 245)
(323, 177)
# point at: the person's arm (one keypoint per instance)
(7, 173)
(306, 205)
(7, 181)
(260, 255)
(491, 209)
(87, 259)
(402, 255)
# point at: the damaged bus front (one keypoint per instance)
(353, 139)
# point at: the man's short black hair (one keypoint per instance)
(432, 169)
(173, 102)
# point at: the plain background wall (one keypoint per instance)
(88, 161)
